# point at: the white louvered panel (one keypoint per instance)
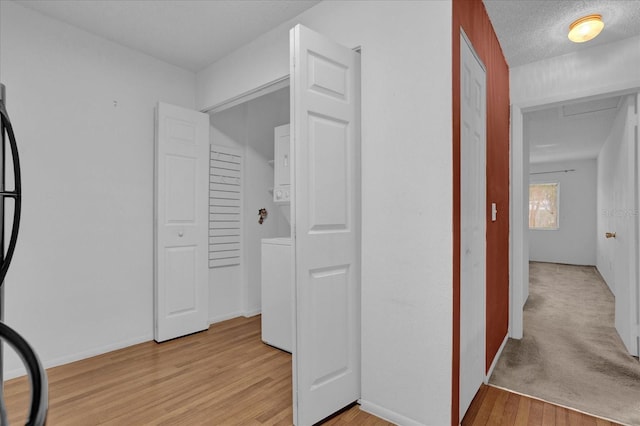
(225, 187)
(224, 232)
(223, 240)
(224, 217)
(231, 177)
(225, 207)
(216, 263)
(220, 196)
(226, 173)
(222, 202)
(228, 247)
(225, 165)
(232, 257)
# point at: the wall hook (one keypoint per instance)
(262, 214)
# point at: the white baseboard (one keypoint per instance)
(252, 313)
(496, 358)
(18, 372)
(388, 415)
(236, 314)
(225, 317)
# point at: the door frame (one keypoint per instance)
(519, 190)
(272, 86)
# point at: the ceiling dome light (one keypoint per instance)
(585, 28)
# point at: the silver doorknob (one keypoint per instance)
(180, 233)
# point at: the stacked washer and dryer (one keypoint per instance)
(277, 257)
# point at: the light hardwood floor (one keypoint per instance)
(493, 406)
(223, 376)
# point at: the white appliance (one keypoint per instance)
(282, 165)
(277, 293)
(277, 284)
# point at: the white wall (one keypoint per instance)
(575, 241)
(406, 188)
(82, 278)
(248, 127)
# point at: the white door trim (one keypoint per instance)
(241, 98)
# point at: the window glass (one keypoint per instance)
(543, 206)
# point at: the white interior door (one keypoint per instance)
(325, 132)
(473, 224)
(625, 243)
(181, 222)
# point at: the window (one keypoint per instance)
(543, 206)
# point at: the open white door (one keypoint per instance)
(325, 95)
(473, 223)
(624, 221)
(180, 222)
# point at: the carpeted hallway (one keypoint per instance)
(571, 354)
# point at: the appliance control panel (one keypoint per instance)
(282, 165)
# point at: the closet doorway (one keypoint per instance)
(242, 135)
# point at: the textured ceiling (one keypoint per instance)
(531, 30)
(188, 33)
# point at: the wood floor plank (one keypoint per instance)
(549, 415)
(477, 402)
(575, 418)
(536, 408)
(588, 421)
(510, 410)
(562, 417)
(487, 406)
(495, 417)
(522, 416)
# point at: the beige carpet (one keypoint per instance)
(571, 354)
